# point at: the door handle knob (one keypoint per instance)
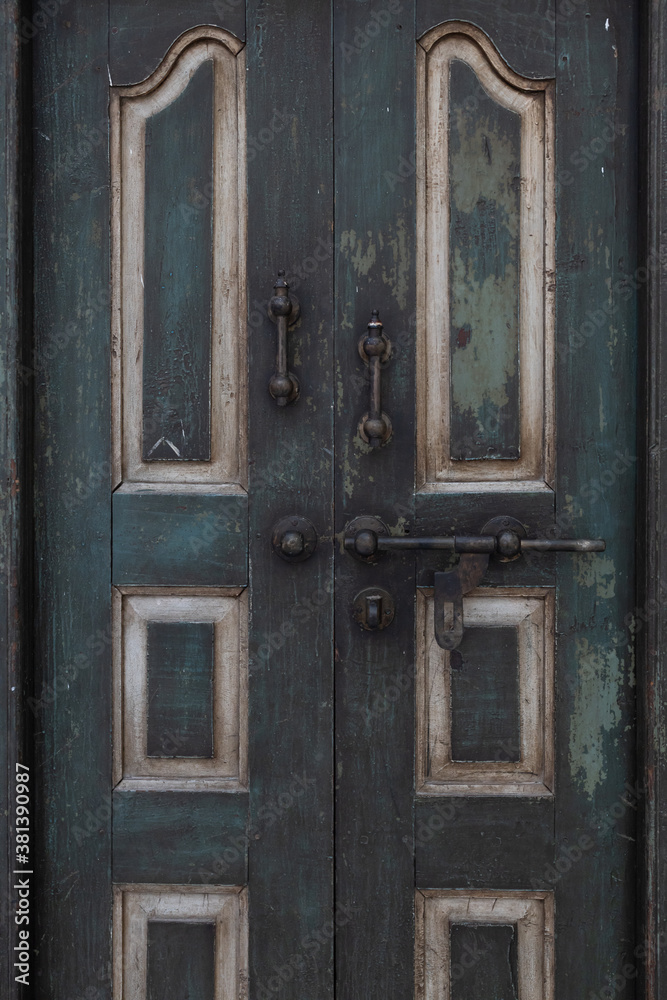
(367, 538)
(375, 350)
(284, 310)
(294, 538)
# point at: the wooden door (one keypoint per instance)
(241, 791)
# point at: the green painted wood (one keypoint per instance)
(522, 30)
(596, 405)
(180, 960)
(488, 842)
(179, 539)
(179, 660)
(374, 100)
(483, 962)
(180, 837)
(485, 695)
(178, 276)
(290, 204)
(72, 618)
(484, 259)
(15, 380)
(652, 504)
(467, 513)
(143, 30)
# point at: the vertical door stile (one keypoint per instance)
(596, 467)
(290, 224)
(374, 59)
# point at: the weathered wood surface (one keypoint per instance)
(180, 672)
(596, 404)
(484, 961)
(143, 30)
(16, 364)
(524, 33)
(652, 535)
(484, 263)
(73, 513)
(175, 837)
(179, 539)
(181, 960)
(485, 695)
(374, 79)
(178, 275)
(290, 204)
(487, 841)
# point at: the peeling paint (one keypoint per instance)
(596, 713)
(596, 570)
(362, 258)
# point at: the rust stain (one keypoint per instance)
(463, 336)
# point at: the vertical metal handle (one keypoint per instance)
(375, 348)
(284, 310)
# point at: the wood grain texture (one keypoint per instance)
(507, 842)
(523, 32)
(180, 960)
(652, 535)
(179, 539)
(223, 690)
(178, 836)
(16, 368)
(460, 382)
(441, 914)
(485, 695)
(215, 921)
(178, 275)
(290, 202)
(142, 31)
(520, 766)
(72, 524)
(179, 688)
(484, 167)
(374, 99)
(483, 961)
(596, 405)
(137, 248)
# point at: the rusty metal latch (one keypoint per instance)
(284, 310)
(367, 538)
(375, 350)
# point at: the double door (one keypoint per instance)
(313, 715)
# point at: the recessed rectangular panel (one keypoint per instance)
(179, 942)
(180, 686)
(484, 945)
(181, 960)
(485, 205)
(485, 235)
(178, 275)
(180, 667)
(178, 246)
(483, 962)
(484, 678)
(485, 710)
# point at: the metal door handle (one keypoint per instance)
(284, 310)
(375, 349)
(367, 538)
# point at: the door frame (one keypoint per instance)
(16, 365)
